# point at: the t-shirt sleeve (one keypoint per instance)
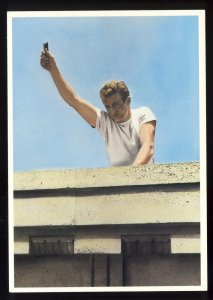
(101, 121)
(145, 115)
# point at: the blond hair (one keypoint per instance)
(113, 87)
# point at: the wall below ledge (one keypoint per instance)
(94, 217)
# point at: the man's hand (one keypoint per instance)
(47, 60)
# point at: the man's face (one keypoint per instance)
(118, 109)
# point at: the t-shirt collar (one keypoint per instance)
(126, 122)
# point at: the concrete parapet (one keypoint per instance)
(108, 177)
(149, 194)
(154, 209)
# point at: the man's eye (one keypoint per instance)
(115, 104)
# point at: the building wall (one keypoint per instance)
(108, 227)
(163, 270)
(76, 270)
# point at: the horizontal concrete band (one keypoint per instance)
(179, 245)
(106, 177)
(139, 208)
(97, 191)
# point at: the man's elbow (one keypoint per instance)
(151, 150)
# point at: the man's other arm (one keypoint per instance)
(84, 108)
(147, 137)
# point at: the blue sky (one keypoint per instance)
(157, 56)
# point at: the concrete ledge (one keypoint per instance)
(106, 177)
(155, 194)
(148, 196)
(108, 227)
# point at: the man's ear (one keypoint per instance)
(128, 100)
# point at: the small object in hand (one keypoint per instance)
(45, 46)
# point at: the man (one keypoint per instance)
(128, 133)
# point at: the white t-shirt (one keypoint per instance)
(122, 140)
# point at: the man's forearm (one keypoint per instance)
(144, 155)
(64, 88)
(84, 108)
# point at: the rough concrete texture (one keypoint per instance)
(163, 270)
(105, 177)
(97, 245)
(60, 271)
(98, 207)
(186, 244)
(80, 232)
(136, 208)
(184, 238)
(21, 247)
(80, 271)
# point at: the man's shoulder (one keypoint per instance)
(140, 110)
(143, 114)
(103, 116)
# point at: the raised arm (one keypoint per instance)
(84, 108)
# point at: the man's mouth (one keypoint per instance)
(116, 115)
